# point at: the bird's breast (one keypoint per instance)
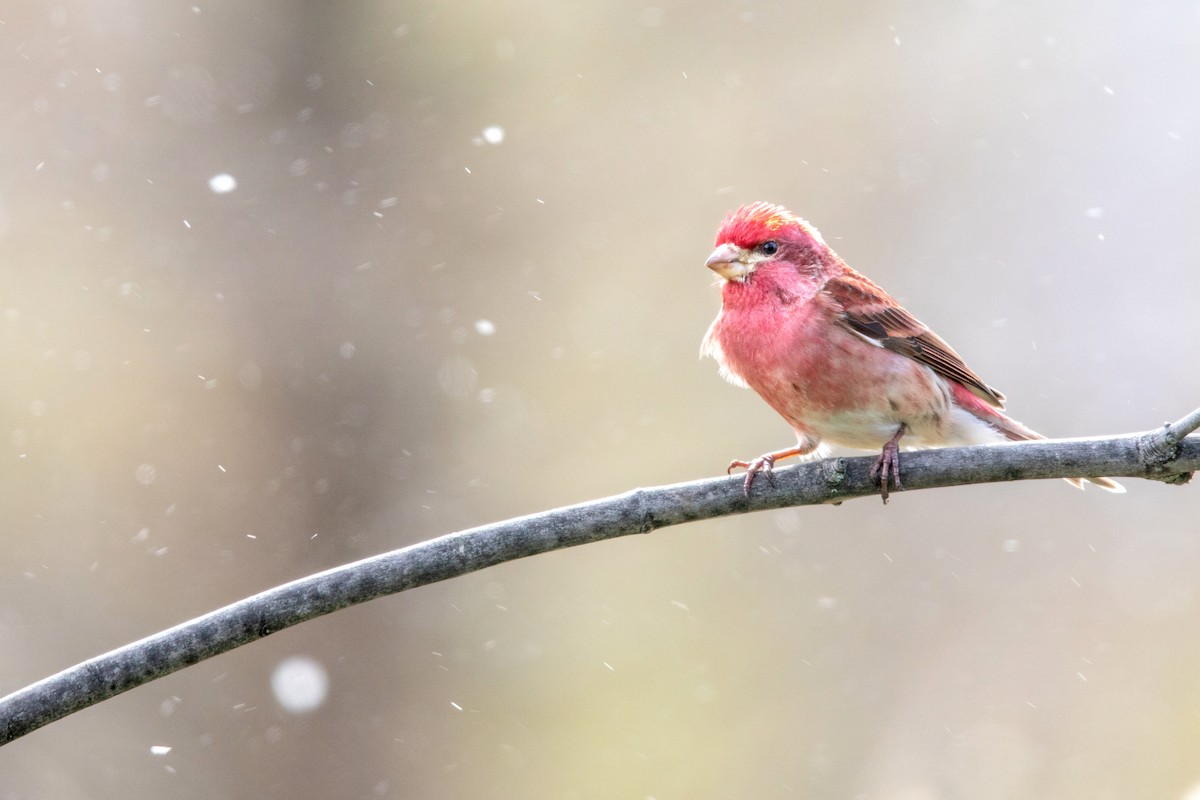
(823, 379)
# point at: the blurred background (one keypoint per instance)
(284, 285)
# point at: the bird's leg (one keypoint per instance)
(888, 464)
(764, 463)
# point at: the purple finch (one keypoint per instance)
(836, 355)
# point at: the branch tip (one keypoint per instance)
(1160, 447)
(1185, 426)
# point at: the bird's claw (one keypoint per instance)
(887, 467)
(764, 464)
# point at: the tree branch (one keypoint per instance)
(1164, 454)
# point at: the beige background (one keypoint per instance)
(209, 394)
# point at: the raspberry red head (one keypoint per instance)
(763, 234)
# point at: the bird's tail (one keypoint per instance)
(1016, 432)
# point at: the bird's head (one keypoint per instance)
(763, 233)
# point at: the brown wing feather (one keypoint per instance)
(869, 311)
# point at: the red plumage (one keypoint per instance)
(835, 355)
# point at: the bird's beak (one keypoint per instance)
(730, 262)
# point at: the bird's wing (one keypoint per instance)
(870, 312)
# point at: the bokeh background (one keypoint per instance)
(283, 285)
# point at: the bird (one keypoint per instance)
(837, 356)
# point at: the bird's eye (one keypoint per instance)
(769, 248)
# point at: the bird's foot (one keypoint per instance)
(764, 464)
(887, 466)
